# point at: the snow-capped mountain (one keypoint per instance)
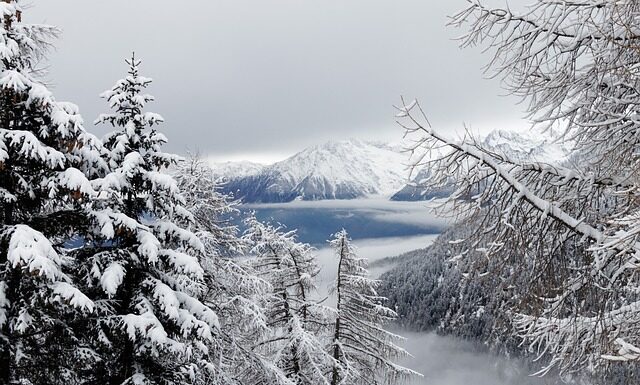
(514, 145)
(334, 170)
(354, 168)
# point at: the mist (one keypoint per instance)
(447, 361)
(442, 360)
(315, 221)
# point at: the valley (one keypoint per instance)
(385, 229)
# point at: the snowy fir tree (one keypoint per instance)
(46, 158)
(142, 262)
(564, 238)
(362, 349)
(297, 319)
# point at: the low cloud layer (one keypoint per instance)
(446, 361)
(381, 209)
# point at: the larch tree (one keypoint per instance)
(363, 351)
(46, 158)
(297, 319)
(568, 232)
(233, 288)
(142, 263)
(213, 210)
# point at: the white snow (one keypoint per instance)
(74, 180)
(530, 145)
(69, 294)
(14, 80)
(149, 245)
(28, 145)
(236, 169)
(32, 251)
(371, 167)
(112, 277)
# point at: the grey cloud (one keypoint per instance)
(242, 76)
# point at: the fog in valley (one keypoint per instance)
(442, 360)
(316, 221)
(447, 361)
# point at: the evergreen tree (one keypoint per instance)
(45, 158)
(142, 263)
(296, 318)
(362, 349)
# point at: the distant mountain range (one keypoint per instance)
(355, 169)
(334, 170)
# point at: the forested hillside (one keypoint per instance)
(432, 290)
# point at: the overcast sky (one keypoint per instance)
(261, 79)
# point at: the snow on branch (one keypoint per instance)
(464, 151)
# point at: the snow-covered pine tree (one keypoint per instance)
(296, 318)
(142, 264)
(45, 158)
(362, 349)
(233, 288)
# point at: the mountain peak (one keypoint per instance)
(238, 169)
(343, 169)
(526, 145)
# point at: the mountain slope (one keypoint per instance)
(334, 170)
(526, 146)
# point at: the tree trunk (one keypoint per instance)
(126, 359)
(295, 364)
(336, 353)
(335, 377)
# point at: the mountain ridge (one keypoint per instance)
(354, 168)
